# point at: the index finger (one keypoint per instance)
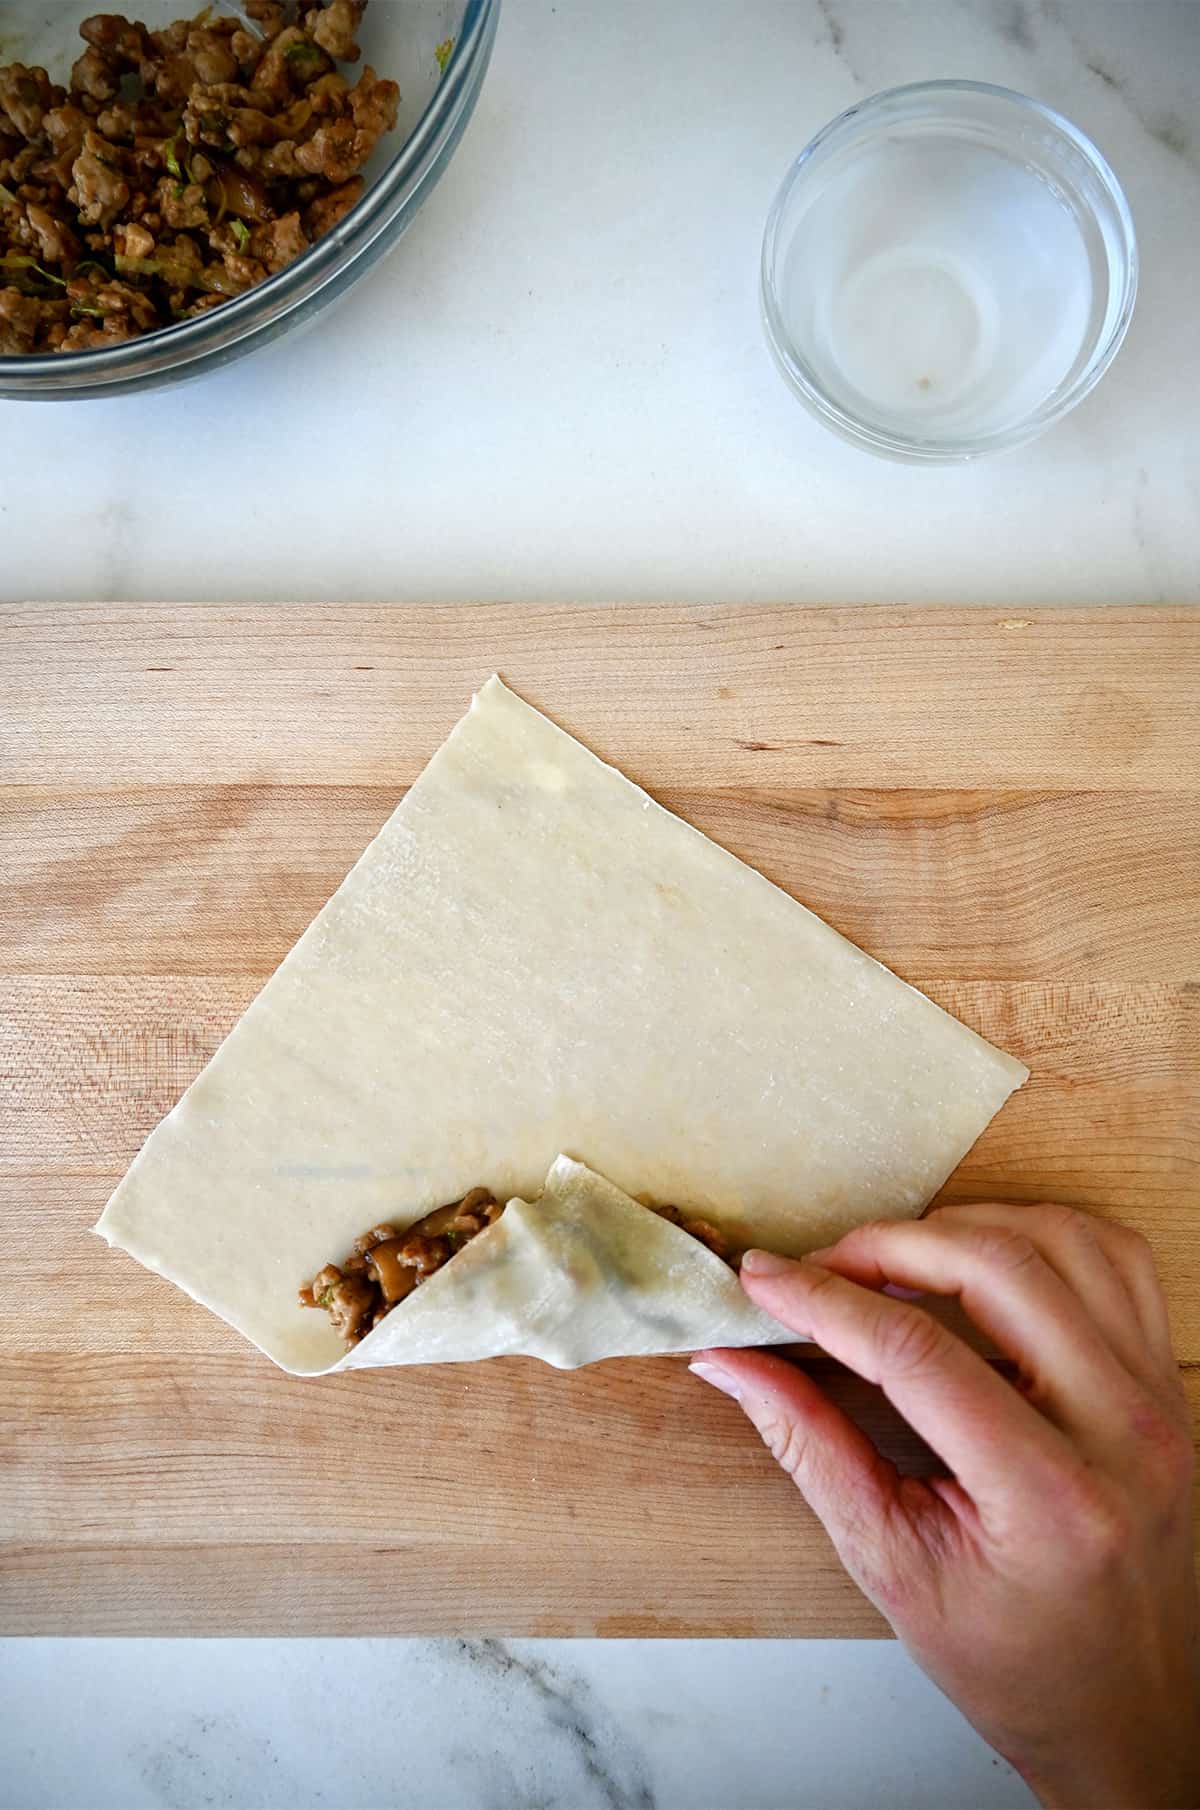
(977, 1423)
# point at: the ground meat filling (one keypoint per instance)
(178, 168)
(387, 1265)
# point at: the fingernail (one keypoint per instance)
(818, 1256)
(720, 1379)
(765, 1263)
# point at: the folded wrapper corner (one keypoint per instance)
(579, 1273)
(533, 956)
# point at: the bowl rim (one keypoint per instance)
(932, 448)
(176, 347)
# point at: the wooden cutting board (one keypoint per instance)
(1004, 808)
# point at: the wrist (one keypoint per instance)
(1159, 1769)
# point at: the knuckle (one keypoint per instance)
(1132, 1246)
(1105, 1517)
(1099, 1523)
(875, 1228)
(1132, 1253)
(785, 1440)
(1165, 1449)
(1118, 1236)
(1071, 1223)
(820, 1282)
(908, 1341)
(1056, 1216)
(862, 1237)
(1104, 1532)
(1000, 1247)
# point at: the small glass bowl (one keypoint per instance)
(405, 40)
(947, 269)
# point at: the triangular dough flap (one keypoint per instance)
(581, 1273)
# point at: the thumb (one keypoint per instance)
(844, 1480)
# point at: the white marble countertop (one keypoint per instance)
(557, 388)
(484, 1725)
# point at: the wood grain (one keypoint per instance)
(223, 879)
(354, 694)
(1005, 809)
(212, 1496)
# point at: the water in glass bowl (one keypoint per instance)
(940, 289)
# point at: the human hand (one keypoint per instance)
(1048, 1585)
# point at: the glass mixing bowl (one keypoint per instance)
(401, 40)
